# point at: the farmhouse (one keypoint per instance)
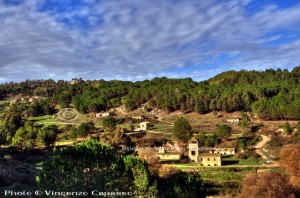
(233, 120)
(163, 155)
(98, 115)
(138, 117)
(223, 151)
(76, 81)
(210, 159)
(106, 114)
(144, 125)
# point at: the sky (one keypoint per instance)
(142, 39)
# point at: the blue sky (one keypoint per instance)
(143, 39)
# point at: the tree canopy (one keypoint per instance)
(182, 129)
(270, 94)
(266, 184)
(90, 165)
(109, 123)
(290, 162)
(224, 131)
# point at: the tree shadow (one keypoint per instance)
(229, 162)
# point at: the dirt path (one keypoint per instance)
(157, 132)
(265, 139)
(260, 145)
(161, 120)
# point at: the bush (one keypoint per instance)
(109, 123)
(72, 134)
(223, 131)
(287, 128)
(276, 142)
(84, 129)
(268, 184)
(47, 135)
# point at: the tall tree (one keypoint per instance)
(182, 129)
(25, 137)
(47, 135)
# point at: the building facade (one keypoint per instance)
(233, 120)
(164, 155)
(144, 125)
(210, 159)
(193, 149)
(106, 114)
(223, 151)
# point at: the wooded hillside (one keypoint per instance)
(270, 94)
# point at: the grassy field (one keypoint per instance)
(41, 119)
(162, 128)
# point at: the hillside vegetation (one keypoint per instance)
(270, 94)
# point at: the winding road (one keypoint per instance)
(260, 145)
(265, 139)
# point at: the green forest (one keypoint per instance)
(270, 94)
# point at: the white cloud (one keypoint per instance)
(133, 39)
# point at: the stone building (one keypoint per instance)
(164, 155)
(210, 159)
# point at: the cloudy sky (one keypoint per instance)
(142, 39)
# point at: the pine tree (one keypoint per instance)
(182, 129)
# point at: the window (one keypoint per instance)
(215, 164)
(201, 159)
(193, 153)
(208, 159)
(214, 159)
